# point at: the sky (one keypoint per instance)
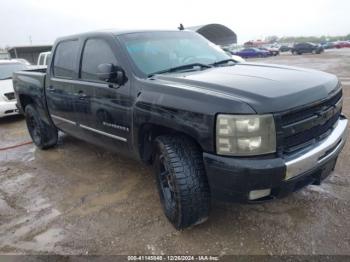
(24, 22)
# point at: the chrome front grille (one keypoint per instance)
(308, 125)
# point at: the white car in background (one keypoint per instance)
(7, 94)
(22, 60)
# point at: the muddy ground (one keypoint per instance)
(80, 199)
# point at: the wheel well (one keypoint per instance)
(25, 100)
(147, 134)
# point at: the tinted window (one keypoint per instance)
(65, 59)
(156, 51)
(96, 52)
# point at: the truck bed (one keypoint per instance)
(30, 85)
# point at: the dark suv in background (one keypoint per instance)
(301, 48)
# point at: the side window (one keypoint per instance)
(65, 59)
(96, 52)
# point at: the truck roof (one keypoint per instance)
(112, 32)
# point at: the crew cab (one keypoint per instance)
(211, 127)
(7, 94)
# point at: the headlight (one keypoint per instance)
(245, 135)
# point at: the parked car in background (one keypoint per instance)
(342, 44)
(22, 60)
(272, 50)
(44, 58)
(284, 48)
(234, 57)
(4, 55)
(252, 52)
(237, 58)
(7, 95)
(302, 48)
(327, 45)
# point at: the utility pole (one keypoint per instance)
(30, 40)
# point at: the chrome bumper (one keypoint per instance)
(323, 151)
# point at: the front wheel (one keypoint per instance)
(181, 179)
(43, 135)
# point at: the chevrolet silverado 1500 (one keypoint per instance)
(211, 127)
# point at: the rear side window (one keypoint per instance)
(65, 59)
(96, 52)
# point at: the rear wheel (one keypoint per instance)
(181, 179)
(43, 135)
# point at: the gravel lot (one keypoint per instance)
(80, 199)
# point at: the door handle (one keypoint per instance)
(81, 95)
(51, 89)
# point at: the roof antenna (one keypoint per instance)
(181, 27)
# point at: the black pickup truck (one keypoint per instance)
(211, 127)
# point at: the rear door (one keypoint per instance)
(103, 109)
(59, 95)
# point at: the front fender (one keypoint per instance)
(188, 111)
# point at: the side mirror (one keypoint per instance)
(111, 73)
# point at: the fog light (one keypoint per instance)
(256, 194)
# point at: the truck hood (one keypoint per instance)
(266, 88)
(6, 86)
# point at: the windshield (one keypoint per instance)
(7, 69)
(157, 51)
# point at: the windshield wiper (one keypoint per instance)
(225, 61)
(181, 67)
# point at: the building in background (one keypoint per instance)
(29, 53)
(216, 33)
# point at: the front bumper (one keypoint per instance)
(233, 179)
(8, 108)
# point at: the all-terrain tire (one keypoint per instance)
(43, 135)
(181, 179)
